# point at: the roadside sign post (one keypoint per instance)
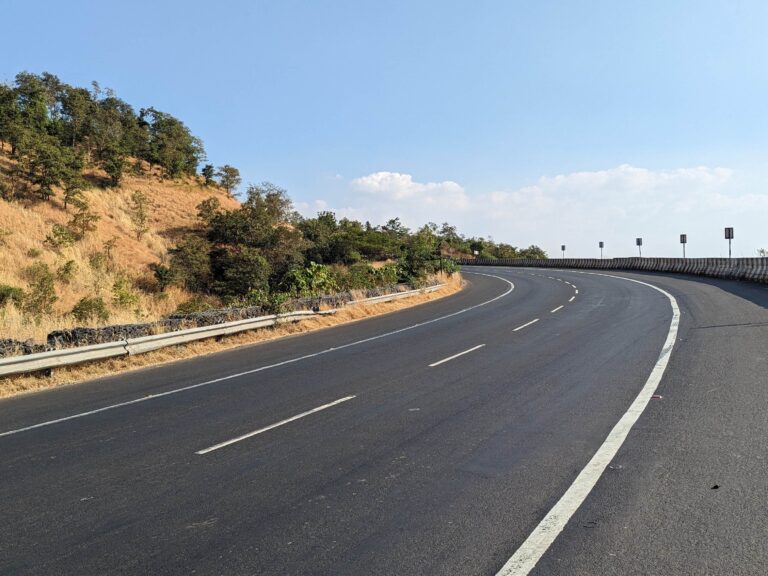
(639, 243)
(601, 244)
(563, 249)
(729, 237)
(683, 241)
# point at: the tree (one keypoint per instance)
(319, 232)
(533, 251)
(163, 274)
(113, 160)
(208, 209)
(83, 220)
(229, 178)
(240, 272)
(208, 173)
(395, 228)
(138, 209)
(171, 144)
(41, 294)
(9, 113)
(420, 254)
(72, 178)
(77, 107)
(48, 165)
(191, 263)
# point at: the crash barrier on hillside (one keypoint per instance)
(50, 359)
(753, 269)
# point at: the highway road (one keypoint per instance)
(540, 421)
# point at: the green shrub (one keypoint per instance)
(194, 304)
(208, 209)
(312, 280)
(98, 261)
(123, 295)
(361, 276)
(11, 294)
(34, 253)
(83, 221)
(41, 294)
(60, 237)
(89, 309)
(450, 267)
(139, 210)
(163, 275)
(66, 272)
(238, 272)
(191, 263)
(388, 274)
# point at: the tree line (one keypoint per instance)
(265, 251)
(54, 130)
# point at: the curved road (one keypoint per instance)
(430, 441)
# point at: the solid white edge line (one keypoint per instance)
(525, 325)
(542, 537)
(272, 426)
(262, 368)
(556, 309)
(444, 360)
(572, 298)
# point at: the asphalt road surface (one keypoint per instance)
(434, 440)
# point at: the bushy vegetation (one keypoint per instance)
(55, 129)
(11, 295)
(40, 294)
(90, 309)
(264, 249)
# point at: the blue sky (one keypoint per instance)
(533, 122)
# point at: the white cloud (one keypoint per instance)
(614, 205)
(398, 187)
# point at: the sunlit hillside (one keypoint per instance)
(106, 254)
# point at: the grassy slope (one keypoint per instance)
(173, 214)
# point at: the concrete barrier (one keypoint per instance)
(751, 269)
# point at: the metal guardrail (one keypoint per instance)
(397, 295)
(68, 356)
(57, 358)
(157, 341)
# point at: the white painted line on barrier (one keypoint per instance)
(542, 537)
(525, 325)
(444, 360)
(575, 291)
(572, 298)
(262, 368)
(555, 310)
(272, 426)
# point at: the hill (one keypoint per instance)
(105, 255)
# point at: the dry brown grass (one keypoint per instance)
(27, 383)
(173, 213)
